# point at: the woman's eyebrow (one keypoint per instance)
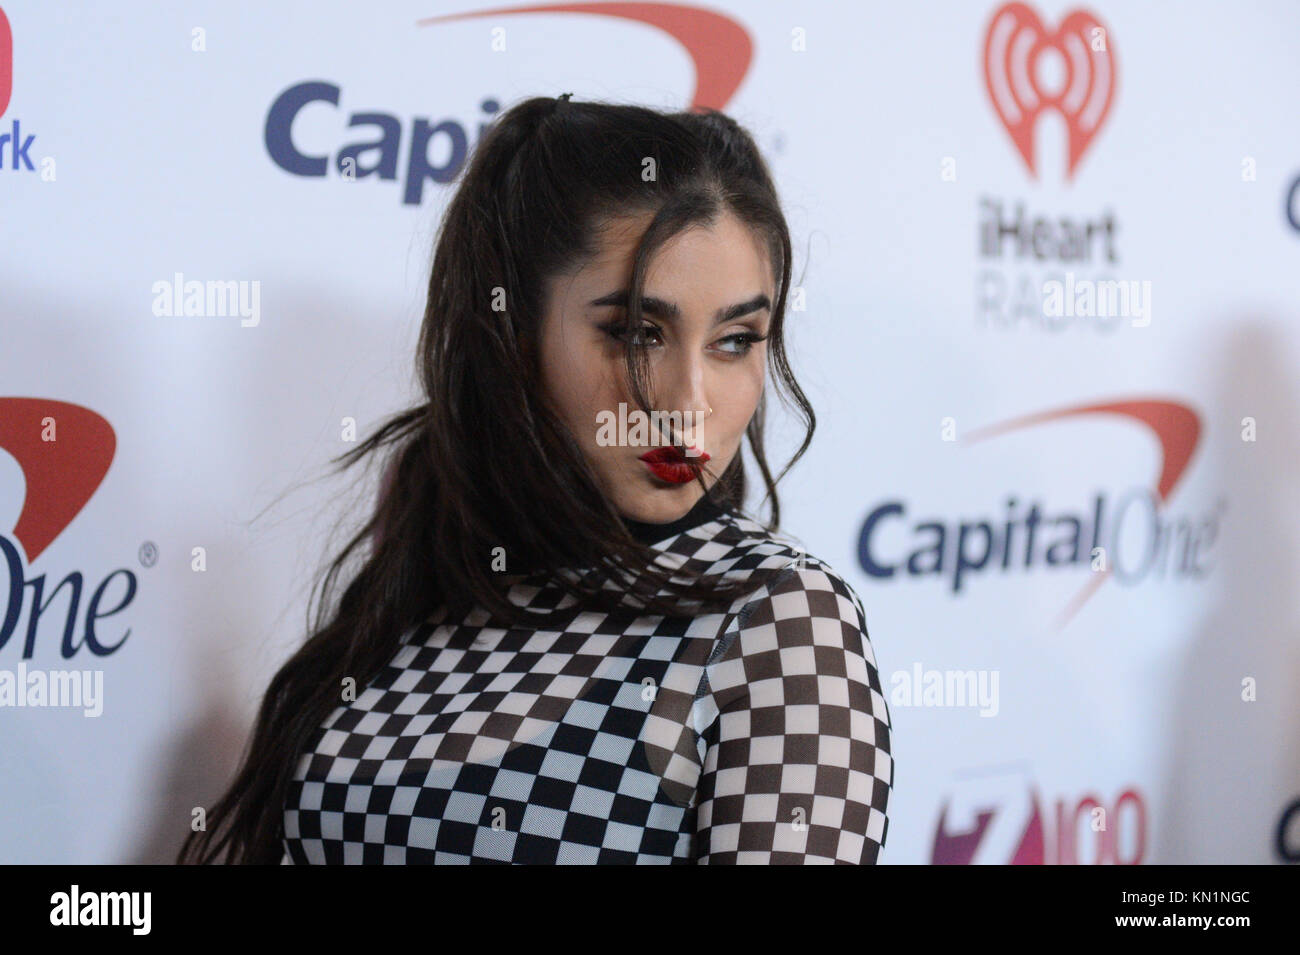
(667, 310)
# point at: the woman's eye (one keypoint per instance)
(651, 336)
(742, 342)
(647, 334)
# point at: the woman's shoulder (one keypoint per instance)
(737, 545)
(800, 638)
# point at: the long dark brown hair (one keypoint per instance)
(528, 207)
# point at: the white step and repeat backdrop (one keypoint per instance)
(1051, 261)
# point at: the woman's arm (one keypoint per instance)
(797, 765)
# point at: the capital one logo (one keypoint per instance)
(1177, 431)
(719, 47)
(64, 452)
(1033, 536)
(1017, 50)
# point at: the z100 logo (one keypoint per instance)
(998, 821)
(64, 451)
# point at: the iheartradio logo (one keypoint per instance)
(1017, 47)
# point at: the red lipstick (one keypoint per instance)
(670, 463)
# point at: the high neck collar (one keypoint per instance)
(703, 511)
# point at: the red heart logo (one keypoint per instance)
(1012, 45)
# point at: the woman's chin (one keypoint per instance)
(661, 502)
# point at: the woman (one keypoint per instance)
(566, 642)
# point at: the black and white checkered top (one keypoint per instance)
(759, 735)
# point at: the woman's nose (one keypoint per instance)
(686, 390)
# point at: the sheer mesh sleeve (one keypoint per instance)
(797, 765)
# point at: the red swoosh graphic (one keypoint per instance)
(1176, 427)
(719, 47)
(62, 474)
